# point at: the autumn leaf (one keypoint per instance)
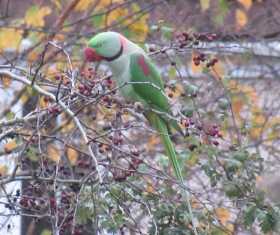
(72, 155)
(6, 81)
(116, 15)
(57, 4)
(35, 16)
(10, 146)
(84, 5)
(196, 204)
(174, 92)
(66, 123)
(150, 188)
(53, 153)
(10, 38)
(246, 3)
(218, 70)
(273, 128)
(204, 4)
(223, 215)
(258, 122)
(3, 170)
(106, 3)
(138, 25)
(32, 56)
(240, 18)
(43, 102)
(153, 141)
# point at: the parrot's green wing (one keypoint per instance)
(148, 85)
(147, 82)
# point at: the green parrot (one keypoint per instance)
(139, 81)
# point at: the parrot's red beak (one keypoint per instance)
(91, 55)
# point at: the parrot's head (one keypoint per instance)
(106, 46)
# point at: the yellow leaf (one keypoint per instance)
(248, 91)
(10, 146)
(106, 3)
(258, 178)
(258, 122)
(223, 215)
(72, 155)
(10, 38)
(53, 153)
(57, 4)
(35, 16)
(153, 141)
(204, 4)
(117, 14)
(139, 25)
(218, 70)
(67, 125)
(193, 159)
(32, 56)
(230, 228)
(240, 18)
(43, 102)
(150, 188)
(84, 5)
(3, 170)
(237, 105)
(6, 81)
(196, 204)
(174, 92)
(246, 3)
(272, 126)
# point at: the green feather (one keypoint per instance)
(160, 125)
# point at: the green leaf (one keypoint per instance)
(10, 115)
(172, 72)
(46, 232)
(267, 220)
(204, 4)
(223, 10)
(167, 32)
(223, 104)
(191, 89)
(97, 20)
(31, 154)
(250, 215)
(241, 155)
(83, 214)
(232, 165)
(188, 111)
(232, 190)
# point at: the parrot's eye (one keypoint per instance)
(100, 44)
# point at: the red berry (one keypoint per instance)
(215, 142)
(196, 62)
(57, 77)
(214, 61)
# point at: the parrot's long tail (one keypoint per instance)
(161, 127)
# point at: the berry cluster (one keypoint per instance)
(214, 132)
(198, 59)
(208, 37)
(183, 38)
